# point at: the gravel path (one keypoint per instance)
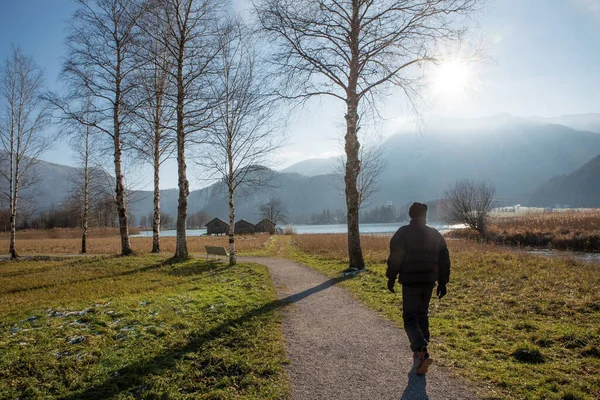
(341, 350)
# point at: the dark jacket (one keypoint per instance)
(418, 255)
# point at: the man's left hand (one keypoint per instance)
(441, 291)
(391, 283)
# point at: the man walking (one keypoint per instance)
(418, 258)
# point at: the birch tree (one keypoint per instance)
(23, 117)
(190, 44)
(153, 138)
(241, 139)
(84, 143)
(101, 63)
(352, 51)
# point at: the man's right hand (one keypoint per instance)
(391, 283)
(441, 291)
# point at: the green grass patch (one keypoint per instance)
(517, 326)
(139, 327)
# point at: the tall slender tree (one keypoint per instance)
(23, 117)
(241, 139)
(190, 42)
(101, 63)
(153, 139)
(87, 179)
(352, 50)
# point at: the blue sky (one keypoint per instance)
(544, 61)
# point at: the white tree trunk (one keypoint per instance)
(181, 250)
(86, 193)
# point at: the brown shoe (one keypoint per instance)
(423, 362)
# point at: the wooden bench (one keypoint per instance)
(216, 250)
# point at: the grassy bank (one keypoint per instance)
(518, 326)
(112, 245)
(570, 230)
(139, 327)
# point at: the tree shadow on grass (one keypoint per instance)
(185, 271)
(65, 262)
(133, 375)
(196, 268)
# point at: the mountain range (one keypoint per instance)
(581, 188)
(529, 160)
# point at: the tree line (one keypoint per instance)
(191, 80)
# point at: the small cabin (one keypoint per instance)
(243, 226)
(265, 226)
(217, 227)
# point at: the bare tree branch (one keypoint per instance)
(242, 136)
(23, 116)
(353, 50)
(100, 65)
(468, 202)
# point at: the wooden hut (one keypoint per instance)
(217, 227)
(243, 226)
(265, 226)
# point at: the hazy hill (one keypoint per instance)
(313, 166)
(582, 122)
(517, 155)
(580, 188)
(301, 194)
(514, 158)
(53, 183)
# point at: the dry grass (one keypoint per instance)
(568, 222)
(335, 246)
(66, 233)
(112, 245)
(569, 230)
(376, 248)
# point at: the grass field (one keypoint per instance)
(518, 326)
(112, 245)
(567, 230)
(139, 327)
(66, 233)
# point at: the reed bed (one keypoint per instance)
(567, 222)
(568, 230)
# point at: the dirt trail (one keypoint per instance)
(339, 349)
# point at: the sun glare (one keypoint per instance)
(450, 79)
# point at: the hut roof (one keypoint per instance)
(243, 221)
(216, 220)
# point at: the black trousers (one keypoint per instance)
(415, 313)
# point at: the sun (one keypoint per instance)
(451, 79)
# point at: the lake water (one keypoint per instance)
(368, 229)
